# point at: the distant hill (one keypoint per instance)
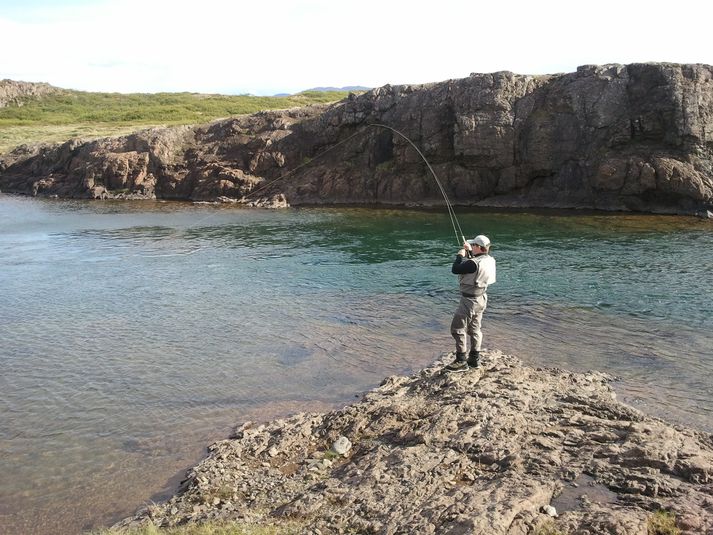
(345, 88)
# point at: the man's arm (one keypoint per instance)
(463, 265)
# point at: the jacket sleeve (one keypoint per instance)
(463, 265)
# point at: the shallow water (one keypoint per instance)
(135, 333)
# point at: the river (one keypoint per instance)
(134, 333)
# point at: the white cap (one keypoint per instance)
(480, 240)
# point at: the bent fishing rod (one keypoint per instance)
(460, 237)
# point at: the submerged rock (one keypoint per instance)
(483, 452)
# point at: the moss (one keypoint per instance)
(387, 166)
(330, 455)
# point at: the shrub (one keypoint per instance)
(663, 523)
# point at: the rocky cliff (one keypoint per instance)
(14, 93)
(615, 137)
(503, 450)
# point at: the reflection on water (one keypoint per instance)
(135, 333)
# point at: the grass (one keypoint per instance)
(12, 136)
(208, 528)
(70, 114)
(663, 523)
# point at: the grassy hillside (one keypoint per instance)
(81, 114)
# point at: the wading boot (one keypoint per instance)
(474, 359)
(458, 365)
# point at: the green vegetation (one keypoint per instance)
(388, 165)
(12, 136)
(81, 114)
(77, 107)
(209, 528)
(330, 454)
(663, 523)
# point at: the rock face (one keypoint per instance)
(216, 162)
(505, 449)
(14, 93)
(615, 137)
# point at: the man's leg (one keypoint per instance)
(459, 327)
(474, 331)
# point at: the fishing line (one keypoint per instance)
(451, 213)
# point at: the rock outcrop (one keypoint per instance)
(14, 93)
(505, 449)
(614, 137)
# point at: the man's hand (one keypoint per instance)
(461, 253)
(468, 247)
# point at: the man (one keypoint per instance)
(476, 271)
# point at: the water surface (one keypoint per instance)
(135, 333)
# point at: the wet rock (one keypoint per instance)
(272, 202)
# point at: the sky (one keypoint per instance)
(264, 47)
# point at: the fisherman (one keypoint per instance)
(476, 271)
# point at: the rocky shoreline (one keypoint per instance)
(612, 137)
(505, 449)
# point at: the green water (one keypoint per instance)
(135, 333)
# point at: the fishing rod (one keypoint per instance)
(460, 236)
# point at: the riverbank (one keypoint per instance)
(505, 449)
(494, 139)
